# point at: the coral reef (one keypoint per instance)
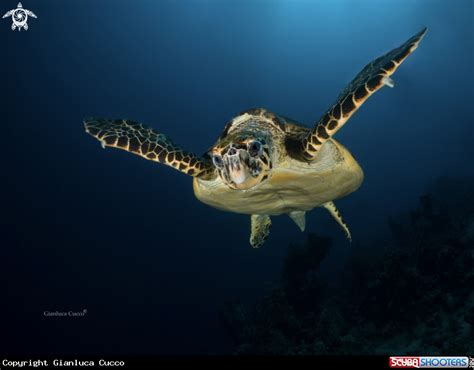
(415, 297)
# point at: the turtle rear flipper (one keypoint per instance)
(136, 138)
(260, 229)
(373, 77)
(331, 207)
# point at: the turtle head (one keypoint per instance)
(243, 161)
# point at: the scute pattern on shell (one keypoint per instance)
(258, 113)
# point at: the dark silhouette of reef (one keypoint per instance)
(414, 296)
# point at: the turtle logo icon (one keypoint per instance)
(19, 17)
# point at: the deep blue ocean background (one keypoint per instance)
(124, 238)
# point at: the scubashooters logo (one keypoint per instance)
(431, 362)
(19, 17)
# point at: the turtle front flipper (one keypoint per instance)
(136, 138)
(331, 207)
(260, 229)
(374, 76)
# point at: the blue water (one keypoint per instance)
(124, 238)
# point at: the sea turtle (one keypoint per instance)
(19, 17)
(264, 164)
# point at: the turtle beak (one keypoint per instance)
(236, 167)
(238, 176)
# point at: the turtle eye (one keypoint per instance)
(217, 160)
(255, 148)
